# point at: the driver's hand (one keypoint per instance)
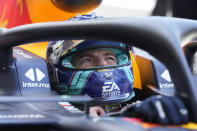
(159, 109)
(96, 111)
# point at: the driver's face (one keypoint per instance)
(94, 58)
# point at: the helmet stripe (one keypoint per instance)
(78, 82)
(129, 74)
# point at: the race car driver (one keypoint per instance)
(81, 64)
(103, 70)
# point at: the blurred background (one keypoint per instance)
(123, 8)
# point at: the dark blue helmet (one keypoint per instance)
(113, 83)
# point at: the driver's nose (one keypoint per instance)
(101, 62)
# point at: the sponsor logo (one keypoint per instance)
(166, 85)
(69, 107)
(21, 116)
(166, 76)
(110, 89)
(30, 74)
(29, 84)
(20, 52)
(39, 74)
(108, 75)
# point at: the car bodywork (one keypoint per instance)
(159, 36)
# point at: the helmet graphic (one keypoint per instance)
(105, 83)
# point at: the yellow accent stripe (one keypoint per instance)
(20, 4)
(190, 125)
(136, 74)
(39, 49)
(3, 23)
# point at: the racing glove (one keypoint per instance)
(159, 109)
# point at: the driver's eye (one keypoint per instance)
(86, 60)
(111, 58)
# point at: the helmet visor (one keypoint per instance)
(95, 58)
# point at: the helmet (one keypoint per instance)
(105, 84)
(110, 83)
